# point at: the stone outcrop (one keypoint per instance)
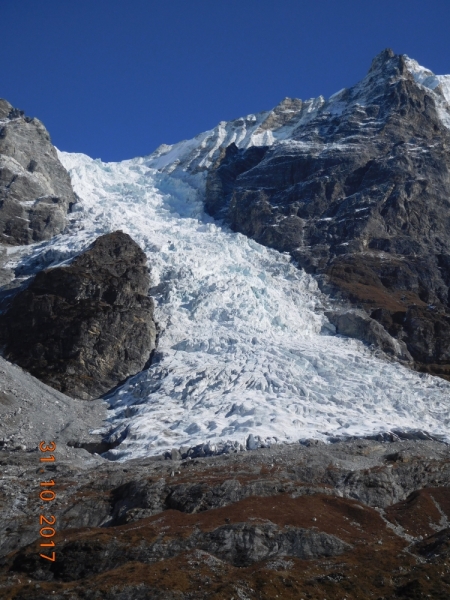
(239, 544)
(357, 324)
(85, 327)
(35, 189)
(359, 196)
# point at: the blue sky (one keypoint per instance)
(116, 78)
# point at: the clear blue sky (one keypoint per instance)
(116, 78)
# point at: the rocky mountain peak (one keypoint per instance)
(393, 83)
(5, 109)
(381, 58)
(387, 63)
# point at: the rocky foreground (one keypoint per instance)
(356, 519)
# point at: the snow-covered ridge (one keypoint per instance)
(428, 79)
(439, 86)
(287, 119)
(245, 348)
(261, 129)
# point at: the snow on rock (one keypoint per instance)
(439, 85)
(287, 119)
(262, 129)
(244, 345)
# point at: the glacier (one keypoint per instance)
(244, 345)
(245, 349)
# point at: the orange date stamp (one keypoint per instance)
(47, 531)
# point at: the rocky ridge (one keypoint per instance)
(35, 189)
(358, 195)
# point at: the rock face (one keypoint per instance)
(359, 194)
(357, 324)
(240, 544)
(35, 189)
(85, 327)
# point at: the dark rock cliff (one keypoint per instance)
(35, 189)
(85, 327)
(360, 196)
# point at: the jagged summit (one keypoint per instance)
(382, 58)
(304, 120)
(388, 65)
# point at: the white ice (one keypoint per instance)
(241, 348)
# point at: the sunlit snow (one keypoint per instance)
(244, 346)
(436, 83)
(200, 152)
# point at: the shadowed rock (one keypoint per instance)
(239, 544)
(243, 544)
(85, 327)
(357, 324)
(436, 546)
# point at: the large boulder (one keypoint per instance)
(85, 327)
(35, 189)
